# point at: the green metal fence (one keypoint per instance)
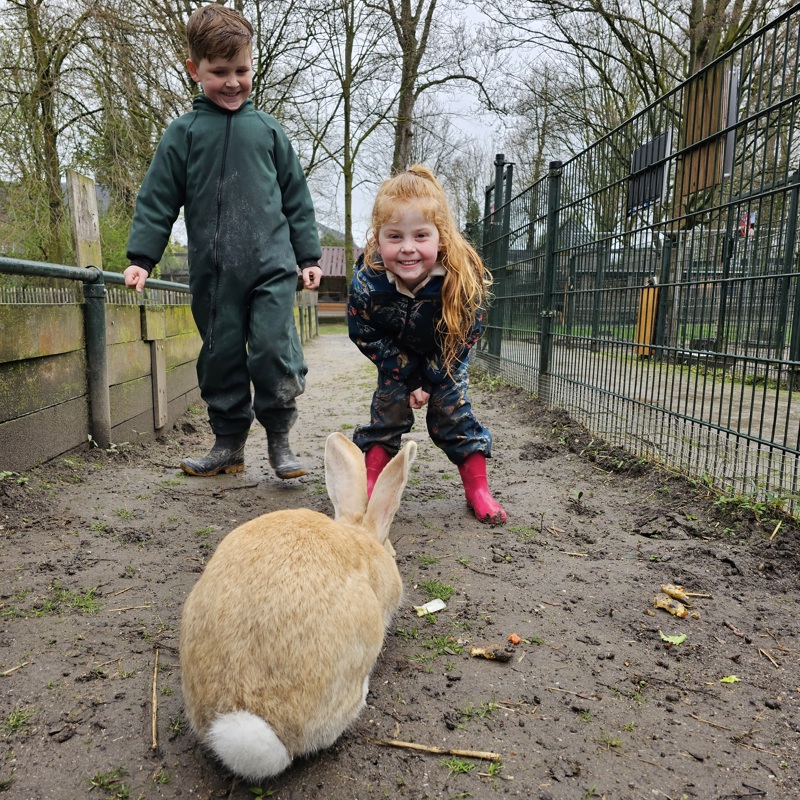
(649, 285)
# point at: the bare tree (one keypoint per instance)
(437, 45)
(47, 47)
(350, 93)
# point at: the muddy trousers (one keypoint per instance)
(451, 423)
(253, 341)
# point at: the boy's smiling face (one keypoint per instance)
(226, 82)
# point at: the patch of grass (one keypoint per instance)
(586, 716)
(427, 561)
(60, 598)
(162, 776)
(123, 513)
(98, 527)
(458, 765)
(629, 726)
(16, 719)
(434, 589)
(111, 782)
(443, 644)
(207, 531)
(179, 725)
(610, 741)
(483, 711)
(524, 532)
(172, 482)
(406, 634)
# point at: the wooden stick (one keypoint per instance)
(14, 669)
(154, 716)
(567, 553)
(767, 655)
(438, 750)
(567, 691)
(128, 608)
(708, 722)
(777, 528)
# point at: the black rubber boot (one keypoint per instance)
(227, 455)
(281, 458)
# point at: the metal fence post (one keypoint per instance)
(496, 312)
(549, 279)
(670, 245)
(96, 358)
(788, 261)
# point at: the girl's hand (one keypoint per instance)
(311, 277)
(418, 398)
(135, 277)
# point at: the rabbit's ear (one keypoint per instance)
(387, 492)
(345, 477)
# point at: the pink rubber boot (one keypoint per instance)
(376, 458)
(476, 490)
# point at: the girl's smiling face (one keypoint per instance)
(409, 245)
(225, 81)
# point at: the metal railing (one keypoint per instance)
(94, 283)
(649, 285)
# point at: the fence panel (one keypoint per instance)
(666, 317)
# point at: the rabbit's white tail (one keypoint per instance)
(247, 745)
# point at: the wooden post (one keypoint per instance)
(82, 198)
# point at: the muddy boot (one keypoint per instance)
(227, 455)
(281, 458)
(476, 490)
(376, 458)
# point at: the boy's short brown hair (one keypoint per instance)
(215, 31)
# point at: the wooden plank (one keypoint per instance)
(130, 399)
(40, 331)
(158, 377)
(28, 386)
(154, 324)
(123, 324)
(179, 320)
(82, 198)
(183, 349)
(128, 361)
(182, 380)
(51, 432)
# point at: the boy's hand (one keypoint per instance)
(418, 398)
(135, 277)
(311, 277)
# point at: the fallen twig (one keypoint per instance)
(732, 627)
(154, 716)
(708, 722)
(567, 691)
(129, 608)
(438, 750)
(14, 669)
(122, 591)
(777, 528)
(767, 655)
(567, 553)
(760, 749)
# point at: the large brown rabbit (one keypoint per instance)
(281, 632)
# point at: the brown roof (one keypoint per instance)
(333, 262)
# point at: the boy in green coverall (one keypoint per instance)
(250, 224)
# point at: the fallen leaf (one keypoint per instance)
(730, 679)
(679, 638)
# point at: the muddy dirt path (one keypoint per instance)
(98, 551)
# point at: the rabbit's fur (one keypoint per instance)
(280, 633)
